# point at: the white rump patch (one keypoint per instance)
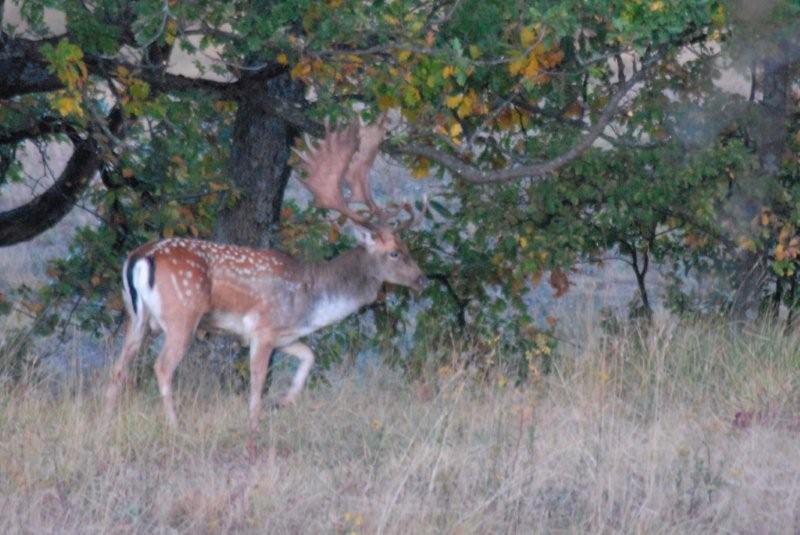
(148, 296)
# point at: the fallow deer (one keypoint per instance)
(266, 297)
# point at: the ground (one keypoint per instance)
(631, 432)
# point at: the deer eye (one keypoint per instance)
(394, 254)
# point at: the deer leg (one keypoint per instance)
(175, 345)
(260, 351)
(136, 331)
(306, 357)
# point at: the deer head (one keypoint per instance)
(345, 157)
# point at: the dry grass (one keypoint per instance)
(631, 434)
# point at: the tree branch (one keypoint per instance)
(465, 170)
(43, 127)
(26, 71)
(159, 80)
(478, 176)
(27, 221)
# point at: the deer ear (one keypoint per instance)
(364, 236)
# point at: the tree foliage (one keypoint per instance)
(555, 132)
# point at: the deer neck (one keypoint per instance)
(351, 276)
(338, 288)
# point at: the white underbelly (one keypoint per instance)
(327, 311)
(241, 325)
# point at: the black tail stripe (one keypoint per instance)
(151, 263)
(131, 288)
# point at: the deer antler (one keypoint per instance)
(357, 176)
(325, 165)
(347, 155)
(414, 219)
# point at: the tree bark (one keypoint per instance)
(258, 167)
(770, 130)
(258, 162)
(774, 113)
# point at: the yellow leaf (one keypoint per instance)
(282, 58)
(532, 68)
(333, 233)
(403, 55)
(516, 66)
(466, 106)
(455, 131)
(785, 233)
(505, 119)
(171, 32)
(421, 168)
(657, 6)
(747, 244)
(67, 106)
(448, 71)
(474, 52)
(779, 252)
(127, 172)
(123, 72)
(454, 100)
(386, 102)
(465, 109)
(168, 232)
(301, 70)
(573, 111)
(225, 106)
(527, 36)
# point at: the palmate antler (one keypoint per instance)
(347, 156)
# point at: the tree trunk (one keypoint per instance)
(258, 162)
(774, 113)
(258, 169)
(770, 130)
